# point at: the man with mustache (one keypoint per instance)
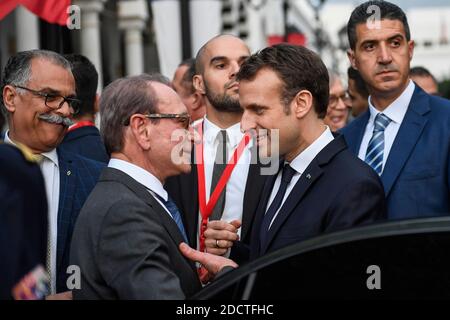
(405, 134)
(38, 95)
(217, 64)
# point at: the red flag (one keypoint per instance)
(53, 11)
(6, 6)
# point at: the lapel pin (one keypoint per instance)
(308, 176)
(69, 173)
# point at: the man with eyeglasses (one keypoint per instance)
(127, 236)
(38, 95)
(338, 104)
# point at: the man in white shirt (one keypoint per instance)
(321, 187)
(38, 92)
(405, 134)
(127, 236)
(217, 64)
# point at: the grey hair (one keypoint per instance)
(17, 71)
(123, 98)
(334, 76)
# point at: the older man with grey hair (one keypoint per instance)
(127, 237)
(38, 98)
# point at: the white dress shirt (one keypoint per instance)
(396, 112)
(235, 188)
(299, 164)
(50, 170)
(142, 176)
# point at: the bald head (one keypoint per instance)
(201, 60)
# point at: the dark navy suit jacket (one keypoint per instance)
(416, 176)
(336, 191)
(78, 177)
(86, 142)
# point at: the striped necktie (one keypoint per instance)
(173, 209)
(375, 149)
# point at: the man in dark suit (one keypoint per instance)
(83, 137)
(321, 187)
(405, 134)
(23, 221)
(127, 236)
(38, 92)
(217, 64)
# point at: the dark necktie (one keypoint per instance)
(286, 177)
(220, 164)
(172, 207)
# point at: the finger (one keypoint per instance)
(216, 251)
(192, 254)
(225, 235)
(221, 225)
(236, 223)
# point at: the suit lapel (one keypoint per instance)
(307, 179)
(305, 182)
(260, 212)
(190, 218)
(355, 134)
(68, 181)
(406, 139)
(167, 222)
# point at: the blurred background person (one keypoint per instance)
(338, 104)
(23, 224)
(182, 84)
(357, 92)
(83, 137)
(424, 79)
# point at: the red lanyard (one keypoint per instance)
(207, 208)
(80, 124)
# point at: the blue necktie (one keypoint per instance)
(172, 207)
(286, 177)
(375, 149)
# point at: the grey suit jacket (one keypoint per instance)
(126, 245)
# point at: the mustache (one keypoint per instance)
(230, 83)
(57, 119)
(385, 69)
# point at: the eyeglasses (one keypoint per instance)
(345, 97)
(55, 101)
(183, 118)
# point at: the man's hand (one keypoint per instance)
(212, 263)
(220, 236)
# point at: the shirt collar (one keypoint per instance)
(211, 131)
(397, 109)
(50, 155)
(302, 161)
(140, 175)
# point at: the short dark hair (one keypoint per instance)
(186, 80)
(420, 71)
(123, 98)
(17, 71)
(86, 81)
(298, 68)
(388, 11)
(359, 81)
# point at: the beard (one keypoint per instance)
(223, 102)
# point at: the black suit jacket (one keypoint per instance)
(336, 191)
(184, 190)
(126, 245)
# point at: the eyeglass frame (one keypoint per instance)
(344, 97)
(166, 116)
(50, 95)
